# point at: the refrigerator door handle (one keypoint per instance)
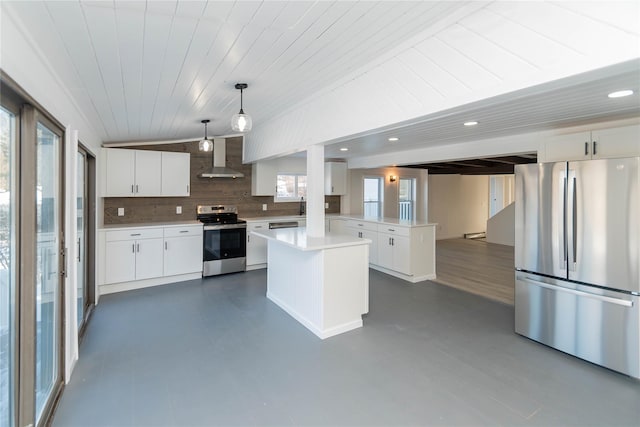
(572, 220)
(563, 222)
(612, 300)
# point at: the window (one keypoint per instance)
(291, 188)
(373, 197)
(406, 198)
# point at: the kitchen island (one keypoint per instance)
(322, 282)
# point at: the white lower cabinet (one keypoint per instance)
(133, 255)
(154, 255)
(365, 230)
(404, 251)
(182, 250)
(256, 246)
(393, 253)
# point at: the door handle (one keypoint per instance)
(574, 220)
(78, 249)
(603, 298)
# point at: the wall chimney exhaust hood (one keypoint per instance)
(218, 169)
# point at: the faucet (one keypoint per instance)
(301, 212)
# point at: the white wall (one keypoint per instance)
(353, 203)
(459, 204)
(501, 228)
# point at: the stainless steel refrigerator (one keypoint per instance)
(577, 258)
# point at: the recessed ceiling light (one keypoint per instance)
(344, 149)
(620, 93)
(472, 123)
(393, 139)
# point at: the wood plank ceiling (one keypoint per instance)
(152, 70)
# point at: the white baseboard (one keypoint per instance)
(255, 267)
(139, 284)
(411, 279)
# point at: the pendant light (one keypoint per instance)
(205, 144)
(241, 122)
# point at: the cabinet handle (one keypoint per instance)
(391, 229)
(360, 225)
(393, 242)
(133, 248)
(332, 188)
(595, 147)
(78, 249)
(132, 189)
(137, 247)
(187, 188)
(165, 246)
(137, 191)
(134, 234)
(258, 226)
(586, 148)
(184, 231)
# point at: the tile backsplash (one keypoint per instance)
(204, 191)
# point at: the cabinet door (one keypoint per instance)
(335, 178)
(616, 142)
(120, 172)
(176, 174)
(148, 258)
(385, 251)
(373, 248)
(148, 173)
(263, 178)
(401, 254)
(120, 261)
(256, 246)
(182, 255)
(575, 146)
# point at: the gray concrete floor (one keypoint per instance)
(217, 352)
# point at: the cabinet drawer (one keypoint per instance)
(362, 225)
(393, 229)
(258, 226)
(133, 234)
(187, 230)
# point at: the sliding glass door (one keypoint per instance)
(7, 265)
(48, 265)
(32, 259)
(81, 233)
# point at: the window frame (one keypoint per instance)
(285, 199)
(412, 200)
(379, 202)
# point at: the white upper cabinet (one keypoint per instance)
(145, 173)
(616, 142)
(120, 172)
(263, 178)
(148, 173)
(335, 179)
(176, 174)
(596, 144)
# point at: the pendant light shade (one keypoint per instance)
(241, 122)
(205, 144)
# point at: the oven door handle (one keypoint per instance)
(224, 227)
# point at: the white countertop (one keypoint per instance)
(273, 218)
(389, 221)
(111, 227)
(297, 238)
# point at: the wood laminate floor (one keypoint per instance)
(475, 266)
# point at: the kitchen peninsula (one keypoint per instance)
(323, 282)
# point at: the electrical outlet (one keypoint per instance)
(120, 211)
(264, 206)
(326, 205)
(178, 210)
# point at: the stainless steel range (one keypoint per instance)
(224, 242)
